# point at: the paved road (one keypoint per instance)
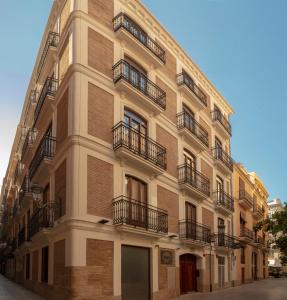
(269, 289)
(12, 291)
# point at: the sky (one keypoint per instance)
(240, 45)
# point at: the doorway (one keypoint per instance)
(135, 273)
(221, 267)
(254, 265)
(188, 274)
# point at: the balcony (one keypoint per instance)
(245, 199)
(129, 213)
(221, 123)
(43, 157)
(138, 149)
(22, 237)
(135, 38)
(224, 242)
(194, 233)
(224, 203)
(222, 160)
(25, 195)
(258, 240)
(48, 56)
(188, 87)
(192, 131)
(41, 222)
(193, 182)
(18, 172)
(28, 142)
(246, 235)
(135, 84)
(257, 212)
(46, 97)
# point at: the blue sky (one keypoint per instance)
(240, 45)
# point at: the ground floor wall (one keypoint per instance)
(88, 263)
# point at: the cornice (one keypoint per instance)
(163, 35)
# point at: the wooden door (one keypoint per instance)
(188, 274)
(190, 216)
(136, 191)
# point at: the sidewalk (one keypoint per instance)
(13, 291)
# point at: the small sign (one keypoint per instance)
(166, 257)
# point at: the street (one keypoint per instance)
(12, 291)
(269, 289)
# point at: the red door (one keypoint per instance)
(187, 273)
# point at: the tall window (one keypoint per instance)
(45, 264)
(28, 266)
(189, 118)
(136, 210)
(190, 162)
(220, 189)
(190, 215)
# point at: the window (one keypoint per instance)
(45, 264)
(190, 162)
(189, 119)
(136, 189)
(28, 266)
(220, 190)
(242, 255)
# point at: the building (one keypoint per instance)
(275, 205)
(250, 207)
(121, 168)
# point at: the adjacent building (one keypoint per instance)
(250, 208)
(119, 184)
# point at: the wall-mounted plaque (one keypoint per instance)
(166, 257)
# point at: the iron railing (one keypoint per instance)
(187, 175)
(24, 190)
(52, 41)
(46, 150)
(258, 210)
(22, 236)
(139, 144)
(246, 233)
(123, 21)
(224, 157)
(49, 89)
(221, 198)
(224, 240)
(184, 79)
(259, 240)
(218, 116)
(191, 230)
(43, 217)
(125, 71)
(127, 211)
(185, 120)
(29, 139)
(244, 195)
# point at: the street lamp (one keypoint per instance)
(212, 241)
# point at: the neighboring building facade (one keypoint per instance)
(275, 205)
(250, 207)
(121, 168)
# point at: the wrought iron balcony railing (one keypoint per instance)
(259, 240)
(49, 89)
(139, 144)
(224, 157)
(29, 139)
(123, 21)
(223, 199)
(46, 150)
(191, 230)
(224, 240)
(42, 218)
(244, 195)
(218, 116)
(186, 174)
(22, 236)
(125, 71)
(127, 211)
(24, 190)
(185, 120)
(259, 211)
(246, 233)
(52, 41)
(184, 79)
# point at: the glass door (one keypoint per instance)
(219, 190)
(190, 163)
(190, 216)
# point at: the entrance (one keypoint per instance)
(254, 265)
(242, 275)
(135, 273)
(188, 274)
(221, 267)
